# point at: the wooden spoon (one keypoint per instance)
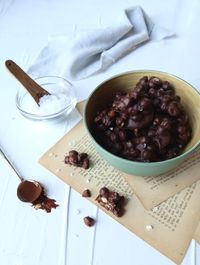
(32, 87)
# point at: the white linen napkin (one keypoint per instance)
(84, 54)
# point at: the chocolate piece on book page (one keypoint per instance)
(153, 190)
(169, 228)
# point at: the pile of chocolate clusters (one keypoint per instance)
(147, 124)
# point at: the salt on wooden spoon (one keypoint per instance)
(35, 90)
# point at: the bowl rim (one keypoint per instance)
(131, 162)
(35, 116)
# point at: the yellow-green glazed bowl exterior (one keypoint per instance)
(104, 94)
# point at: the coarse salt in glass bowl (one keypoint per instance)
(62, 100)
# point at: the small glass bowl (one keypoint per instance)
(63, 99)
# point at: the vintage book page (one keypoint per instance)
(197, 234)
(153, 190)
(169, 228)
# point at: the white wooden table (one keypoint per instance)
(29, 237)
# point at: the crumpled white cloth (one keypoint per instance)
(84, 54)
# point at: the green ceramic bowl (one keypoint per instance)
(104, 94)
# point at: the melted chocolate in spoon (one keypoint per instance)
(32, 191)
(29, 191)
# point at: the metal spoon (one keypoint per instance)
(32, 87)
(28, 190)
